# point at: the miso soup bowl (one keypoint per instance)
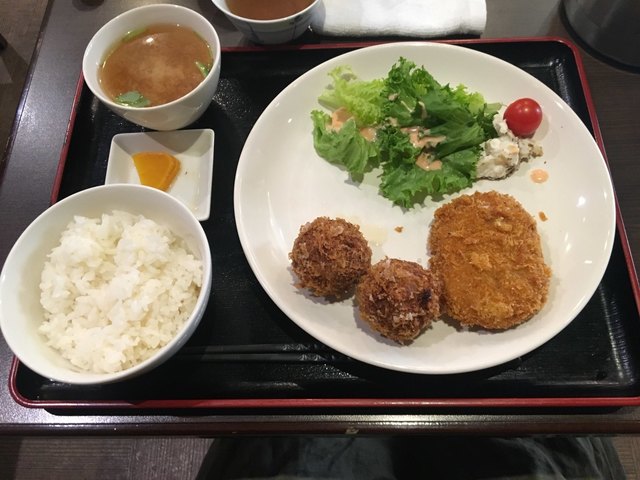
(169, 116)
(280, 30)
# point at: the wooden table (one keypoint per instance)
(31, 165)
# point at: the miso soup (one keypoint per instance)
(155, 65)
(267, 10)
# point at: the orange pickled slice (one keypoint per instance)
(156, 169)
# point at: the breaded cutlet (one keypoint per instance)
(486, 251)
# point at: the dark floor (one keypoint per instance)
(101, 458)
(19, 26)
(109, 458)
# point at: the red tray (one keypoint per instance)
(594, 362)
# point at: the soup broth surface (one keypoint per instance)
(161, 63)
(267, 9)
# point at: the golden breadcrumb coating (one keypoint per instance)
(329, 256)
(398, 299)
(486, 251)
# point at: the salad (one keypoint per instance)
(426, 138)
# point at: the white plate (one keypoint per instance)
(281, 183)
(194, 149)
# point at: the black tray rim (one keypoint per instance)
(393, 403)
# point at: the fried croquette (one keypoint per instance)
(486, 252)
(329, 256)
(398, 299)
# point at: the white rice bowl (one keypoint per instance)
(115, 295)
(116, 290)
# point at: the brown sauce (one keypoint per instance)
(160, 63)
(266, 9)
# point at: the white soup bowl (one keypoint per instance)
(279, 30)
(169, 116)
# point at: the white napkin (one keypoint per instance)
(410, 18)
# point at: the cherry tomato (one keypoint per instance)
(523, 117)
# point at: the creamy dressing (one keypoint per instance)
(369, 133)
(539, 175)
(420, 138)
(338, 117)
(341, 115)
(428, 162)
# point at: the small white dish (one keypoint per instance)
(194, 149)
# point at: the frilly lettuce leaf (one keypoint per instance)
(405, 86)
(345, 147)
(406, 184)
(361, 98)
(407, 96)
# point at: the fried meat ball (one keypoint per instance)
(486, 252)
(398, 299)
(329, 256)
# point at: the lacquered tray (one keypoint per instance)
(248, 354)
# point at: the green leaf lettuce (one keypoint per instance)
(409, 97)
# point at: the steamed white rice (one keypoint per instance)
(115, 290)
